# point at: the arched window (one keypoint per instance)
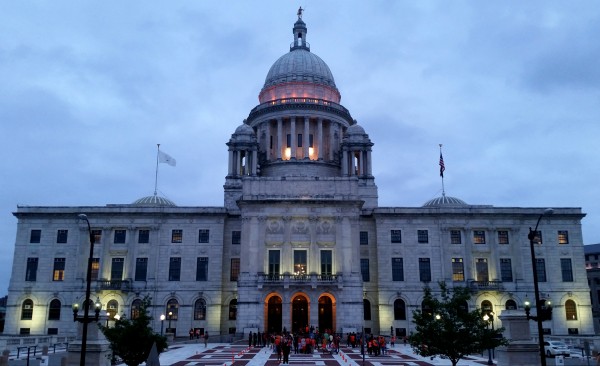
(486, 307)
(463, 307)
(27, 310)
(510, 305)
(172, 309)
(426, 309)
(112, 308)
(571, 310)
(366, 309)
(233, 309)
(136, 305)
(54, 310)
(399, 310)
(200, 309)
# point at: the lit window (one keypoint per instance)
(235, 269)
(563, 237)
(479, 237)
(58, 273)
(97, 234)
(458, 270)
(27, 310)
(502, 237)
(570, 310)
(176, 236)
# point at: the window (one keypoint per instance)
(236, 237)
(176, 236)
(399, 310)
(397, 269)
(141, 269)
(424, 270)
(97, 234)
(422, 236)
(510, 305)
(203, 235)
(566, 269)
(233, 309)
(58, 274)
(143, 236)
(571, 310)
(299, 140)
(563, 237)
(35, 236)
(366, 309)
(540, 268)
(202, 269)
(200, 309)
(481, 267)
(274, 262)
(120, 236)
(95, 268)
(487, 307)
(235, 269)
(364, 269)
(537, 237)
(300, 266)
(54, 310)
(31, 271)
(61, 236)
(479, 237)
(396, 236)
(27, 310)
(455, 237)
(24, 331)
(172, 309)
(364, 238)
(136, 307)
(458, 270)
(116, 269)
(506, 270)
(174, 268)
(326, 263)
(52, 331)
(502, 236)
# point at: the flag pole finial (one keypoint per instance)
(442, 169)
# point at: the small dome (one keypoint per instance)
(445, 201)
(355, 129)
(154, 201)
(244, 129)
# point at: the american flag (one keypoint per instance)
(442, 167)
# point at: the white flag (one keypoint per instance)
(166, 158)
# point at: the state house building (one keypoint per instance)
(300, 240)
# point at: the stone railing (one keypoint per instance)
(486, 285)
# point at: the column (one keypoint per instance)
(279, 138)
(345, 163)
(293, 138)
(369, 164)
(331, 140)
(320, 138)
(305, 139)
(268, 140)
(230, 169)
(254, 162)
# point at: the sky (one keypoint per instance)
(88, 89)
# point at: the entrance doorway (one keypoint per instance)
(299, 313)
(325, 314)
(274, 320)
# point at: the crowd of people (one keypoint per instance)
(311, 340)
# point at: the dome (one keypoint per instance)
(154, 201)
(445, 201)
(299, 73)
(355, 129)
(244, 129)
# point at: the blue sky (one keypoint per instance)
(510, 88)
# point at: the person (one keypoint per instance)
(205, 339)
(250, 339)
(285, 349)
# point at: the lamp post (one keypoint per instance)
(170, 317)
(86, 319)
(487, 318)
(532, 238)
(162, 323)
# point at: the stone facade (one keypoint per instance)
(300, 241)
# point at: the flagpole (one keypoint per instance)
(442, 168)
(156, 175)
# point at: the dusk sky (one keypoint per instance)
(510, 88)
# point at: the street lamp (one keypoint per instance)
(86, 319)
(162, 323)
(532, 236)
(170, 317)
(488, 318)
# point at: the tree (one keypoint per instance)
(445, 327)
(132, 339)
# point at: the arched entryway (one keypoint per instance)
(300, 310)
(326, 314)
(274, 315)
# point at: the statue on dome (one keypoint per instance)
(300, 10)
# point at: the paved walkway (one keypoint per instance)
(241, 355)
